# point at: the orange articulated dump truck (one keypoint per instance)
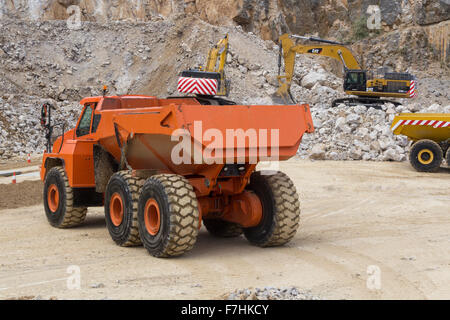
(162, 167)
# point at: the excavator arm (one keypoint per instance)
(217, 56)
(288, 51)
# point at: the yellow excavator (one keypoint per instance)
(213, 70)
(367, 87)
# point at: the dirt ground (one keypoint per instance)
(12, 164)
(368, 231)
(23, 194)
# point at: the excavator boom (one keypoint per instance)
(217, 56)
(332, 49)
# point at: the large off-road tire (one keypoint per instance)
(222, 229)
(59, 201)
(121, 206)
(168, 215)
(281, 209)
(426, 156)
(447, 157)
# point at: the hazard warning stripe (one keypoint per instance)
(433, 123)
(412, 89)
(197, 85)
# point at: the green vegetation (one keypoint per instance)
(359, 29)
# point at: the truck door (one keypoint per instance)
(83, 158)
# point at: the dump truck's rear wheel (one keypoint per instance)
(447, 157)
(281, 210)
(426, 156)
(59, 201)
(223, 229)
(121, 205)
(168, 215)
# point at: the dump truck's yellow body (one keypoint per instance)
(418, 126)
(430, 133)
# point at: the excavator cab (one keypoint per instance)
(355, 80)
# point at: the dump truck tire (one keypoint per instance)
(426, 156)
(281, 210)
(168, 215)
(59, 200)
(222, 229)
(447, 156)
(121, 205)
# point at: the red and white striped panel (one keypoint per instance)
(412, 89)
(433, 123)
(198, 86)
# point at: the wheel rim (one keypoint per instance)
(116, 209)
(425, 156)
(53, 198)
(152, 217)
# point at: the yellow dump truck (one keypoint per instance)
(430, 133)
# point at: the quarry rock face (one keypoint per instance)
(432, 11)
(268, 19)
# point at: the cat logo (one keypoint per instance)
(315, 50)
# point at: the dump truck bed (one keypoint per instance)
(152, 145)
(418, 126)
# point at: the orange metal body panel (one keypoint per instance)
(78, 161)
(243, 208)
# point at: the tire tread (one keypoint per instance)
(74, 216)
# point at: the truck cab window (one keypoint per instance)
(85, 122)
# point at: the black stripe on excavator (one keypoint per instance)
(201, 74)
(325, 41)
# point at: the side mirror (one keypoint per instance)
(46, 119)
(44, 113)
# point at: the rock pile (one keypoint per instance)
(359, 133)
(272, 293)
(20, 130)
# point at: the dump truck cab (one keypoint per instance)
(162, 167)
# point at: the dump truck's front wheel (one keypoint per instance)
(222, 229)
(121, 205)
(168, 215)
(426, 156)
(59, 201)
(447, 157)
(281, 209)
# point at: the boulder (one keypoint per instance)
(313, 78)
